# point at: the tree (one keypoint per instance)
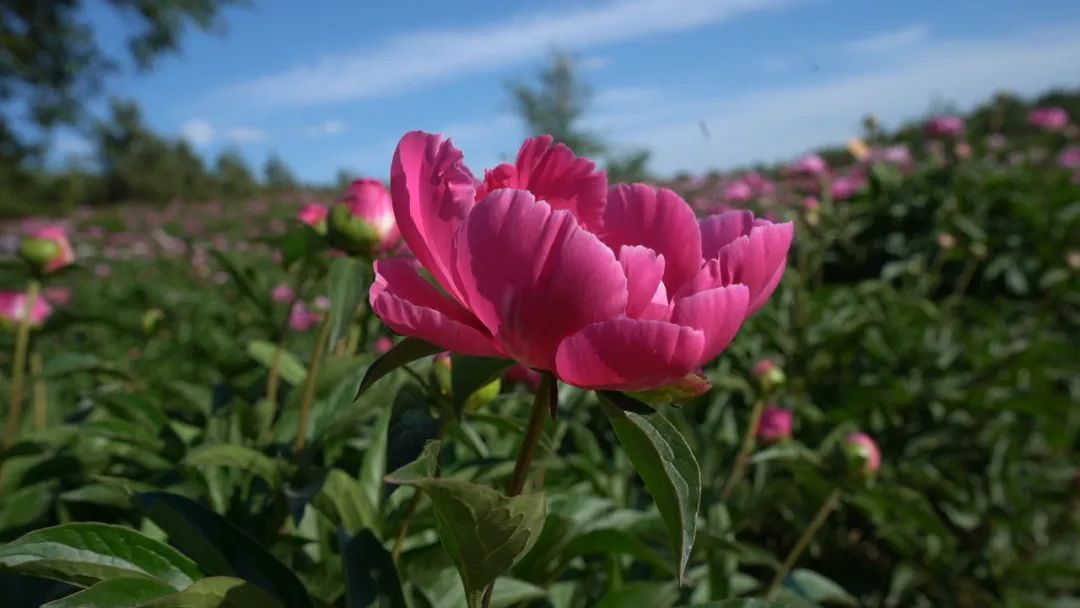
(234, 179)
(277, 176)
(556, 105)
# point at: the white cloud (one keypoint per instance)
(197, 131)
(245, 135)
(326, 128)
(423, 58)
(887, 42)
(779, 123)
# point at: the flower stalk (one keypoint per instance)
(309, 385)
(743, 457)
(808, 534)
(18, 366)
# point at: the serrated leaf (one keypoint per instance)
(484, 532)
(122, 592)
(290, 369)
(666, 464)
(217, 592)
(218, 547)
(238, 457)
(86, 553)
(346, 280)
(404, 352)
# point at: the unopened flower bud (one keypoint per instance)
(775, 424)
(769, 374)
(46, 250)
(862, 454)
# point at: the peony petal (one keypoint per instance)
(644, 273)
(659, 220)
(755, 259)
(720, 229)
(411, 306)
(432, 192)
(629, 354)
(533, 276)
(717, 312)
(556, 176)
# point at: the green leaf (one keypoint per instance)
(469, 374)
(219, 548)
(371, 579)
(122, 592)
(217, 592)
(632, 595)
(86, 553)
(246, 278)
(810, 585)
(404, 352)
(290, 369)
(666, 464)
(741, 603)
(236, 456)
(342, 499)
(609, 541)
(300, 243)
(373, 469)
(484, 532)
(346, 289)
(27, 504)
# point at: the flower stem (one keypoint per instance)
(745, 449)
(532, 434)
(808, 534)
(18, 367)
(273, 377)
(41, 405)
(309, 385)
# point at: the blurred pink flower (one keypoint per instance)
(383, 345)
(1070, 158)
(102, 271)
(301, 318)
(893, 155)
(281, 293)
(13, 309)
(944, 126)
(641, 303)
(1049, 119)
(321, 303)
(845, 187)
(962, 150)
(810, 165)
(863, 453)
(61, 254)
(313, 214)
(775, 424)
(738, 192)
(58, 296)
(520, 374)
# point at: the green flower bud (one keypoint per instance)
(351, 233)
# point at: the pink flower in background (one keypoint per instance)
(58, 296)
(775, 424)
(282, 293)
(962, 150)
(845, 187)
(383, 345)
(102, 271)
(321, 303)
(1070, 158)
(811, 204)
(313, 214)
(996, 141)
(863, 453)
(944, 126)
(764, 367)
(13, 309)
(759, 185)
(301, 318)
(1049, 119)
(60, 254)
(368, 200)
(892, 155)
(810, 165)
(738, 192)
(627, 293)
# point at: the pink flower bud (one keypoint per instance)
(13, 309)
(383, 345)
(775, 424)
(282, 293)
(1049, 119)
(769, 374)
(862, 454)
(47, 249)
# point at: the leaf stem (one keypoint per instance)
(819, 519)
(41, 405)
(748, 443)
(18, 366)
(309, 385)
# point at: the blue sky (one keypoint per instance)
(333, 84)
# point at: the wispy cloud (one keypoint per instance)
(779, 123)
(894, 40)
(325, 129)
(423, 58)
(201, 132)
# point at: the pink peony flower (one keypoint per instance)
(626, 291)
(891, 155)
(314, 215)
(843, 188)
(282, 293)
(13, 309)
(1049, 119)
(48, 248)
(863, 453)
(944, 126)
(1070, 158)
(365, 222)
(383, 345)
(520, 374)
(738, 192)
(58, 296)
(775, 424)
(810, 165)
(301, 318)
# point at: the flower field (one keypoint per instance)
(851, 380)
